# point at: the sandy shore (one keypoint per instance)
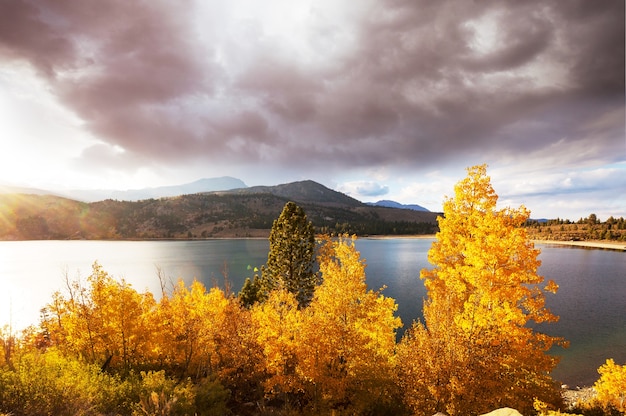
(610, 245)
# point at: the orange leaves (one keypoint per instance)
(482, 292)
(339, 350)
(349, 332)
(104, 322)
(551, 287)
(277, 324)
(611, 386)
(332, 346)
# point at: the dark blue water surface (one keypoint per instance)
(591, 301)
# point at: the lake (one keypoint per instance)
(591, 301)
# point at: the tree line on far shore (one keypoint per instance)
(589, 228)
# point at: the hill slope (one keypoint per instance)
(304, 192)
(247, 212)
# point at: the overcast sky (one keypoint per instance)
(387, 99)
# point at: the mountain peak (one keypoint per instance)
(305, 191)
(393, 204)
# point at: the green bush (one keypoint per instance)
(211, 398)
(161, 395)
(164, 396)
(50, 384)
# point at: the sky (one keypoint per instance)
(379, 99)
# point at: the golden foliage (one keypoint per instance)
(611, 386)
(328, 350)
(106, 322)
(348, 336)
(476, 352)
(278, 322)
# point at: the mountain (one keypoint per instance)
(394, 204)
(243, 212)
(304, 191)
(202, 185)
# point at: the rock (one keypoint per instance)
(505, 411)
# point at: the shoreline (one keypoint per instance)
(607, 245)
(590, 244)
(403, 236)
(595, 244)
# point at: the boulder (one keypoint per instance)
(505, 411)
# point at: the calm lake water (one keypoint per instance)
(591, 301)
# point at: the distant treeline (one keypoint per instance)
(589, 228)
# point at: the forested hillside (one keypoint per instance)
(589, 228)
(241, 213)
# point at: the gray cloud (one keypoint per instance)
(402, 83)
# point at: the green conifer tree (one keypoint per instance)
(291, 257)
(250, 292)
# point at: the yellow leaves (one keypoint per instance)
(277, 324)
(192, 328)
(611, 386)
(482, 292)
(103, 322)
(348, 335)
(551, 287)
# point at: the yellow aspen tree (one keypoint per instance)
(278, 322)
(52, 321)
(611, 386)
(103, 322)
(349, 335)
(186, 328)
(206, 334)
(237, 356)
(477, 351)
(119, 313)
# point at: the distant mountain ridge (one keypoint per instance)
(307, 190)
(240, 212)
(202, 185)
(394, 204)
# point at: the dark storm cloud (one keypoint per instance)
(413, 85)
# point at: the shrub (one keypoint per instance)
(163, 396)
(48, 383)
(160, 395)
(611, 387)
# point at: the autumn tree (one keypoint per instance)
(346, 352)
(290, 260)
(183, 341)
(278, 323)
(206, 335)
(476, 350)
(611, 386)
(104, 322)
